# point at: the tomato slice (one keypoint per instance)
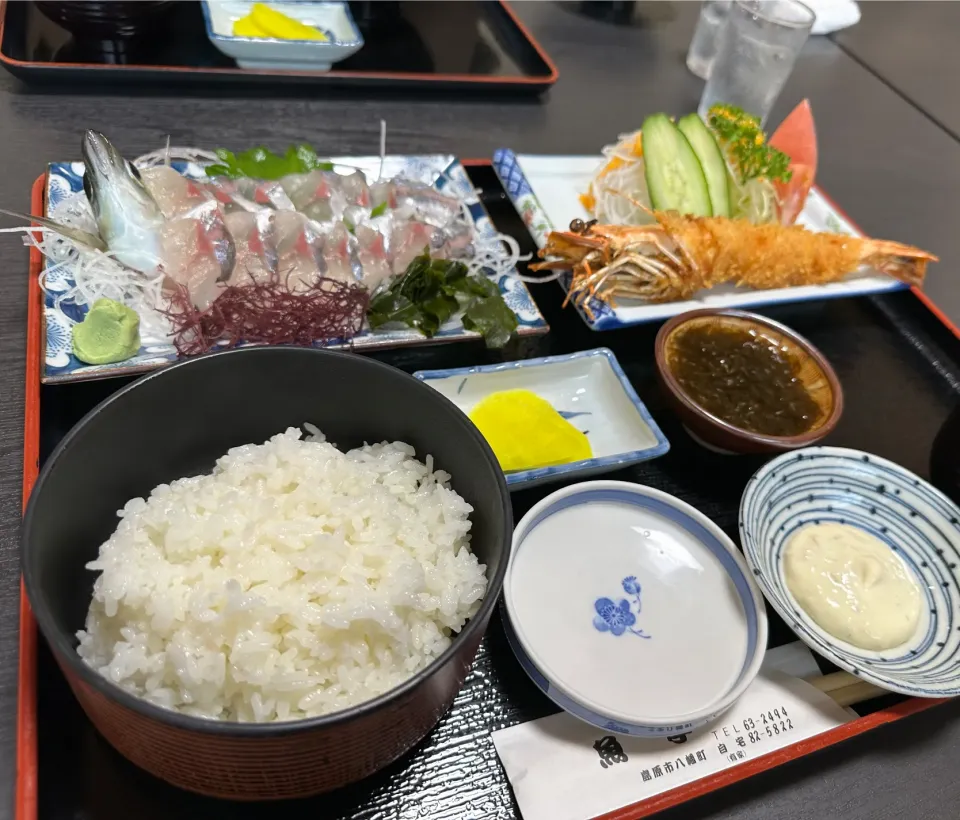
(797, 138)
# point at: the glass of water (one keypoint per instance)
(756, 50)
(703, 46)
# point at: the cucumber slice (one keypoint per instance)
(674, 176)
(705, 146)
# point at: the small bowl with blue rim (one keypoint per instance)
(589, 389)
(631, 610)
(819, 485)
(333, 20)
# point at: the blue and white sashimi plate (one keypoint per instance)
(444, 172)
(545, 191)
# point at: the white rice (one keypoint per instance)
(293, 581)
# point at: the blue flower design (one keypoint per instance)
(63, 179)
(518, 299)
(615, 618)
(57, 277)
(59, 340)
(618, 617)
(58, 334)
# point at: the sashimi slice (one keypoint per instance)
(797, 138)
(254, 236)
(372, 253)
(189, 260)
(301, 250)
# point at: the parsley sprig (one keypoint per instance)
(742, 138)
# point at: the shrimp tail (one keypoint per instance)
(903, 262)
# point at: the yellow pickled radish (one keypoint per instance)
(525, 431)
(245, 27)
(282, 27)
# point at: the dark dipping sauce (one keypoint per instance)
(743, 379)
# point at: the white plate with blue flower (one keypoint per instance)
(589, 389)
(820, 485)
(546, 192)
(632, 610)
(444, 172)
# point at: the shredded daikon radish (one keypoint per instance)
(97, 275)
(490, 257)
(168, 154)
(383, 147)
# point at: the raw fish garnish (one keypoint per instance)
(431, 291)
(261, 163)
(268, 313)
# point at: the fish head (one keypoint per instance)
(128, 218)
(109, 181)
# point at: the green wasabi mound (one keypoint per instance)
(110, 332)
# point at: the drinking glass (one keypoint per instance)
(703, 46)
(757, 48)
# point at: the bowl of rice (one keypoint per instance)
(265, 573)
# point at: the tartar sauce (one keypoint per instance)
(852, 585)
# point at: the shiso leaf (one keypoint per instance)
(261, 163)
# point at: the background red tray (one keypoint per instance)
(27, 733)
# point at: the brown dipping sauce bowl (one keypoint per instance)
(716, 434)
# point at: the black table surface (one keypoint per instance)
(911, 47)
(882, 158)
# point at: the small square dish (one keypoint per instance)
(331, 19)
(589, 389)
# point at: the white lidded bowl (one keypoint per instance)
(632, 610)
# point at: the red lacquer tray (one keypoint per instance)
(498, 694)
(408, 51)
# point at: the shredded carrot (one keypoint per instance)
(614, 163)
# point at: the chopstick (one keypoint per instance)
(846, 689)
